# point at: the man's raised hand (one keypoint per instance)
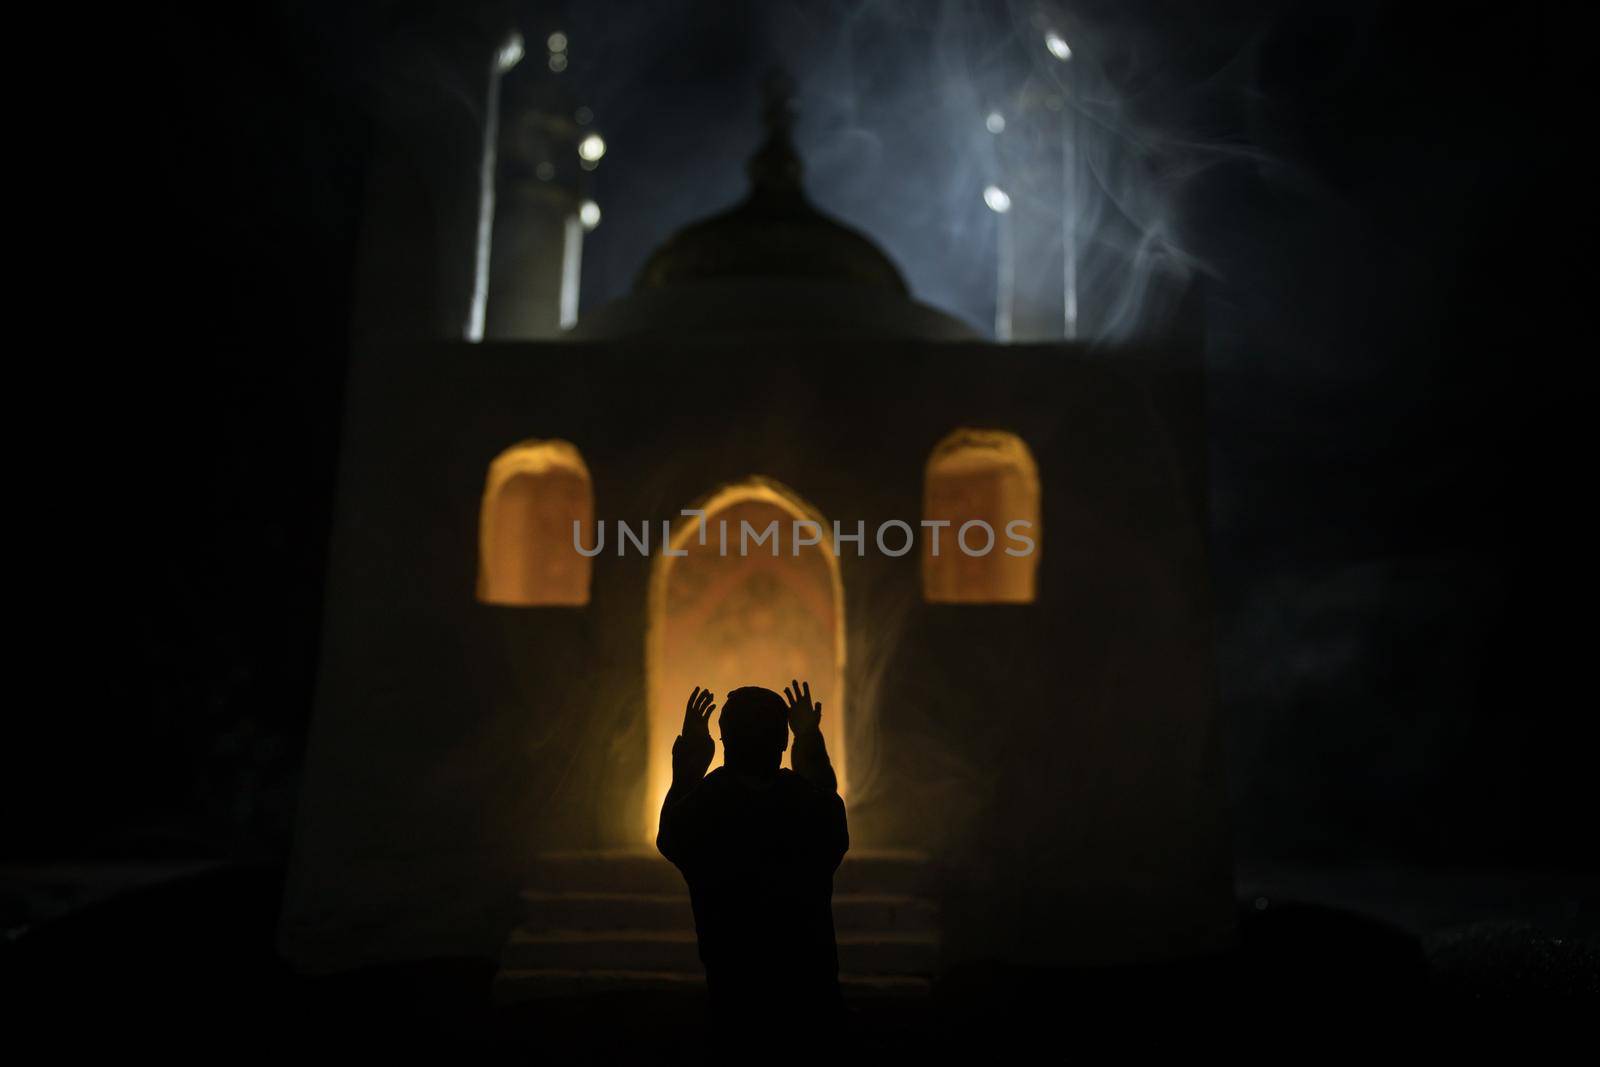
(804, 715)
(697, 714)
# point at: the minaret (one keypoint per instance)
(547, 147)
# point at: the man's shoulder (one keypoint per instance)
(786, 781)
(796, 784)
(719, 781)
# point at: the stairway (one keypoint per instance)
(619, 919)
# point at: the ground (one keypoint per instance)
(188, 962)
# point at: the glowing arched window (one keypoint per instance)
(985, 485)
(534, 493)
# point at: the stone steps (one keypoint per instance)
(619, 919)
(589, 910)
(515, 985)
(642, 870)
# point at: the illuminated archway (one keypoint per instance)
(986, 482)
(723, 620)
(534, 492)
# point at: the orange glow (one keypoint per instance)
(988, 475)
(534, 491)
(725, 621)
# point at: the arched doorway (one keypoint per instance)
(723, 618)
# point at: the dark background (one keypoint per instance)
(1394, 227)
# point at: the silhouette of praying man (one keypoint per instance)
(758, 844)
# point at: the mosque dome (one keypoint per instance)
(772, 263)
(775, 233)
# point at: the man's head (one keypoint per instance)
(755, 729)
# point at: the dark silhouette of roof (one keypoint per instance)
(775, 232)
